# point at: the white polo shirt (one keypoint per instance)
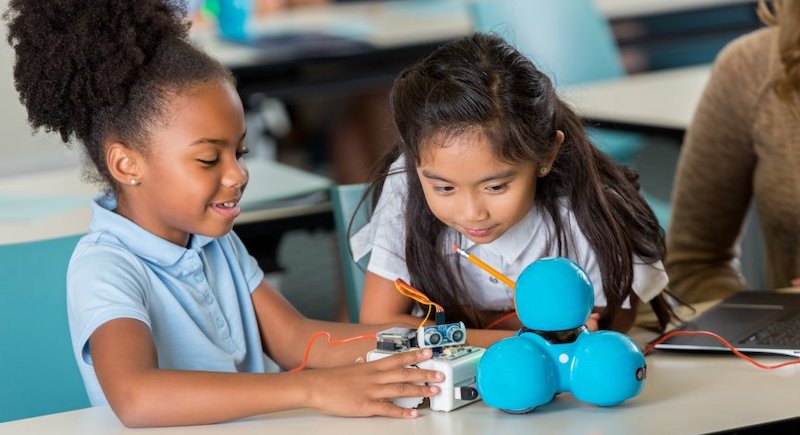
(527, 241)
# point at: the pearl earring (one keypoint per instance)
(544, 170)
(133, 182)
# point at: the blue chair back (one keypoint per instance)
(569, 40)
(347, 215)
(37, 367)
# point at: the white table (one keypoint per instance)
(58, 202)
(662, 101)
(684, 394)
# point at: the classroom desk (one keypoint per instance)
(684, 394)
(56, 203)
(615, 9)
(386, 37)
(661, 102)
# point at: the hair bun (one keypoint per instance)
(77, 57)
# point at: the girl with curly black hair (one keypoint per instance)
(169, 315)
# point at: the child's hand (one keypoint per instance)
(362, 390)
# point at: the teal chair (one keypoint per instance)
(660, 208)
(349, 215)
(571, 42)
(38, 373)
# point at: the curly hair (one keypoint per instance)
(785, 15)
(103, 70)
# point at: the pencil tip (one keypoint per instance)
(456, 248)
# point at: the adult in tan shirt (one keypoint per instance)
(743, 143)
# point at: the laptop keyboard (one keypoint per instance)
(782, 332)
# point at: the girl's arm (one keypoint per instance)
(487, 337)
(714, 178)
(142, 394)
(285, 332)
(623, 321)
(381, 302)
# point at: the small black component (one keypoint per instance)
(387, 346)
(468, 393)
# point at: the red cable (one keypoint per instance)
(330, 341)
(664, 337)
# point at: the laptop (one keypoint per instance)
(752, 321)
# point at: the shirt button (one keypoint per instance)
(198, 278)
(493, 280)
(209, 299)
(220, 323)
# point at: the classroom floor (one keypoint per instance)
(311, 279)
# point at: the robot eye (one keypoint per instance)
(641, 373)
(433, 337)
(455, 335)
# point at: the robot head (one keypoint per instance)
(554, 294)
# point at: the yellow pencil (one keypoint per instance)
(478, 262)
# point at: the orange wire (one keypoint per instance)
(501, 319)
(425, 319)
(736, 352)
(410, 292)
(406, 290)
(330, 341)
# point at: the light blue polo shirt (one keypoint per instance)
(196, 300)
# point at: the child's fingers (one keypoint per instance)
(411, 374)
(405, 389)
(403, 359)
(388, 409)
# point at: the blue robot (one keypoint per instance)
(555, 352)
